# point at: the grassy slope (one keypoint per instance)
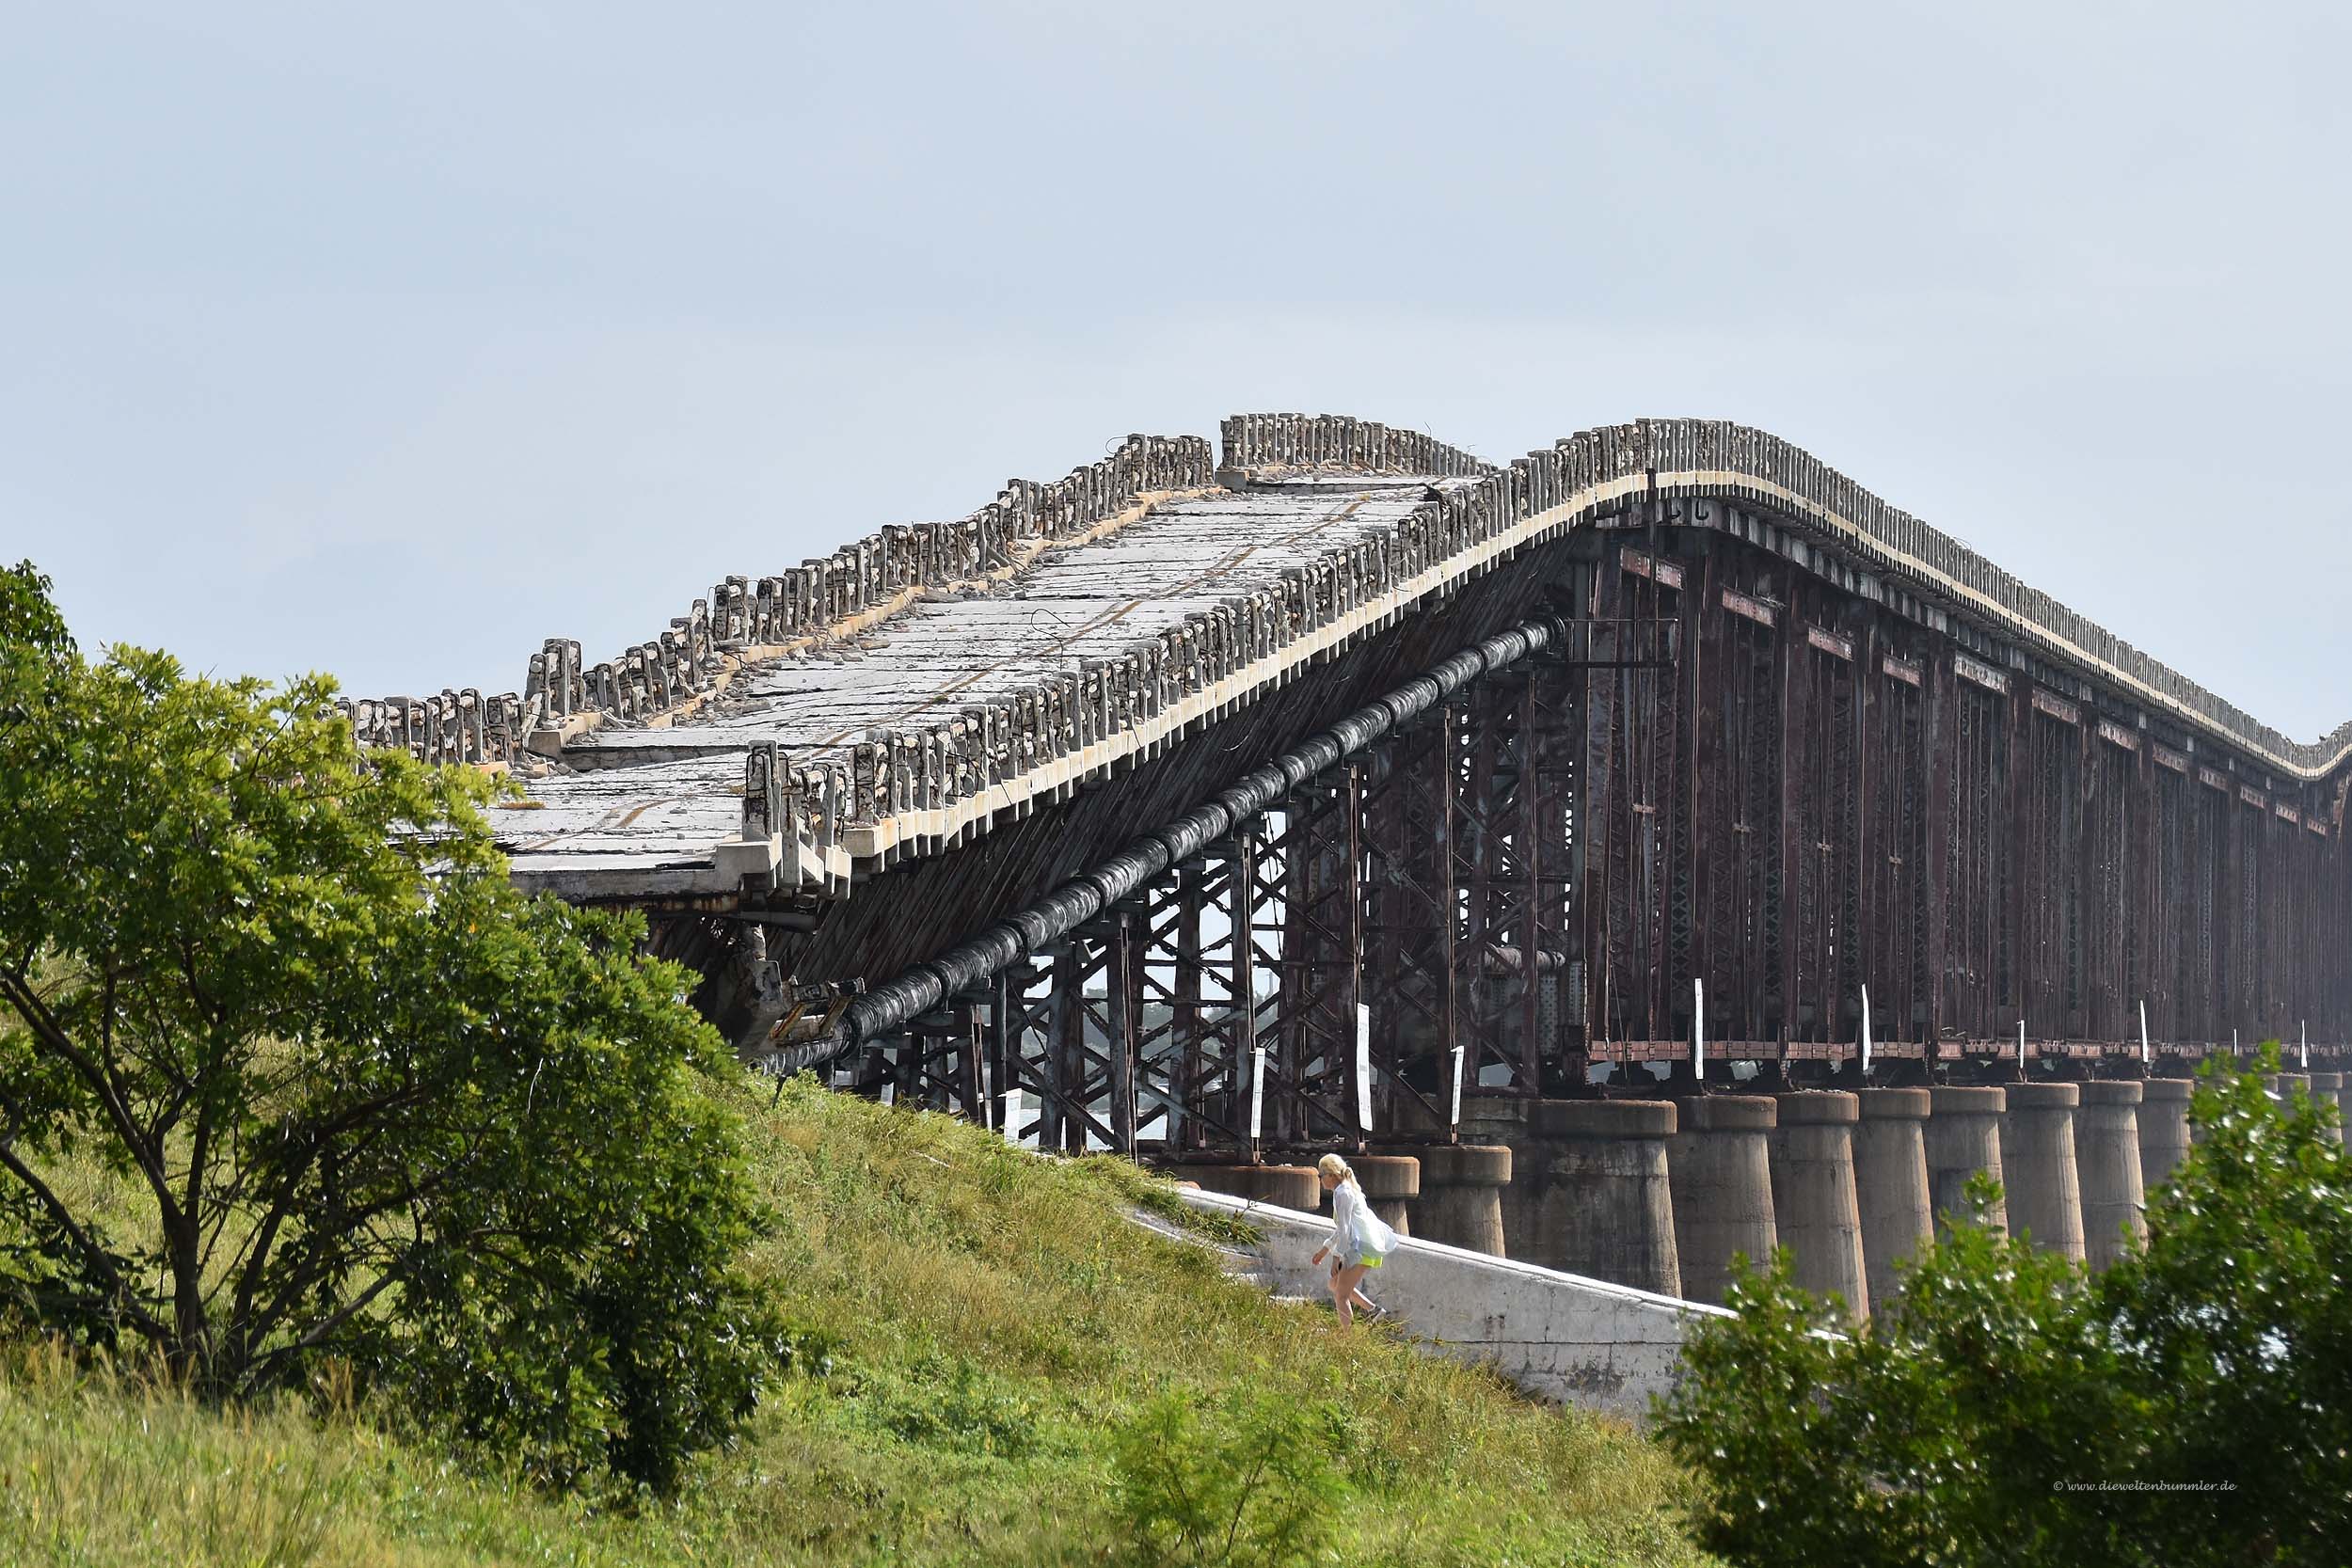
(994, 1316)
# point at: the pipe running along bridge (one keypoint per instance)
(1342, 789)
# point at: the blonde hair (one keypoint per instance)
(1333, 1166)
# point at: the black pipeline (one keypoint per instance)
(962, 968)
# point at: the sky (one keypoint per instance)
(390, 341)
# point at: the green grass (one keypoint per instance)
(977, 1323)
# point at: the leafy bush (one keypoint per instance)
(949, 1402)
(290, 1070)
(2192, 1404)
(1253, 1480)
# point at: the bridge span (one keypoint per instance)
(1340, 787)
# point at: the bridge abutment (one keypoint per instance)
(1814, 1204)
(1719, 1167)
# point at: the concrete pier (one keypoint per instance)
(1962, 1138)
(2196, 1130)
(1509, 1123)
(1461, 1196)
(1719, 1164)
(1813, 1193)
(2328, 1088)
(2163, 1128)
(1290, 1186)
(2038, 1153)
(2109, 1172)
(1390, 1182)
(1890, 1174)
(1605, 1195)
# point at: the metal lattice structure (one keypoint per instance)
(1284, 802)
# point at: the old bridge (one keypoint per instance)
(1341, 790)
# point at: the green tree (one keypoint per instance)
(2190, 1405)
(290, 1069)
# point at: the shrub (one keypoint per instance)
(948, 1402)
(1253, 1482)
(2192, 1404)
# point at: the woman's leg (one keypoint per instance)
(1344, 1294)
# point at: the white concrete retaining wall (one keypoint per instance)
(1558, 1335)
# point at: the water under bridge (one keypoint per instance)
(1337, 789)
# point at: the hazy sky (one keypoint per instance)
(392, 341)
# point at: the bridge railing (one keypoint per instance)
(1711, 457)
(920, 777)
(450, 727)
(1261, 441)
(1714, 457)
(675, 671)
(933, 782)
(947, 770)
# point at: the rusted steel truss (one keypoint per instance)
(1746, 774)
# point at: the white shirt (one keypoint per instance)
(1356, 1231)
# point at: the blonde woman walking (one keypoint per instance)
(1360, 1239)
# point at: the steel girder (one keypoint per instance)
(1728, 768)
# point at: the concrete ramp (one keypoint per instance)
(1559, 1336)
